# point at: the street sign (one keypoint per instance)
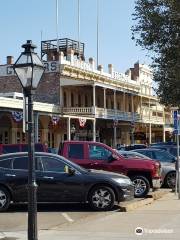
(176, 122)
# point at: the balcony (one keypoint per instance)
(101, 113)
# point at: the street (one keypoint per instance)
(159, 220)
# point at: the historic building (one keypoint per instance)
(74, 100)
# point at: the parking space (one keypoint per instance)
(49, 215)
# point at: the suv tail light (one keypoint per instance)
(157, 168)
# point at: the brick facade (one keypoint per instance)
(48, 89)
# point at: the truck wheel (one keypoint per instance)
(101, 198)
(170, 180)
(141, 186)
(4, 199)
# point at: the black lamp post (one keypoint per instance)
(29, 70)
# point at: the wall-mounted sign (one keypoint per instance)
(7, 70)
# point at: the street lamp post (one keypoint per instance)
(29, 69)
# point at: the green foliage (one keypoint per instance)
(157, 29)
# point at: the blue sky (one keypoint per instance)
(22, 19)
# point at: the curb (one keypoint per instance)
(132, 205)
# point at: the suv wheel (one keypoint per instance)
(170, 180)
(141, 186)
(101, 198)
(4, 199)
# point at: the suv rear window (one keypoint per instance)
(76, 151)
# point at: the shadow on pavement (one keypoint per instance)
(56, 207)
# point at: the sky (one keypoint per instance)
(35, 20)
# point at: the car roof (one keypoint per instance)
(7, 155)
(148, 149)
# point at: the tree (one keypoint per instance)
(157, 29)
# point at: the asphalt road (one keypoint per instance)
(49, 215)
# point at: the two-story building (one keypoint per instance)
(74, 100)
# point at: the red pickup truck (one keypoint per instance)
(95, 155)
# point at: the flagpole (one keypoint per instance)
(79, 29)
(57, 16)
(97, 33)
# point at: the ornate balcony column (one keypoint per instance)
(68, 128)
(115, 101)
(124, 101)
(94, 130)
(149, 122)
(132, 106)
(104, 98)
(94, 98)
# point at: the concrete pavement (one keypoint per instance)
(159, 220)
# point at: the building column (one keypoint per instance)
(124, 101)
(13, 137)
(149, 122)
(61, 97)
(164, 133)
(115, 102)
(94, 130)
(141, 110)
(150, 141)
(115, 134)
(104, 98)
(94, 99)
(45, 135)
(36, 127)
(68, 128)
(132, 106)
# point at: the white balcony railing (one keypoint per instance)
(102, 113)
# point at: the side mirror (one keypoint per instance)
(112, 158)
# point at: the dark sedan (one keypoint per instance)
(60, 180)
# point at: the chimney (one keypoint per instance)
(70, 55)
(61, 57)
(50, 56)
(92, 63)
(10, 60)
(100, 68)
(110, 68)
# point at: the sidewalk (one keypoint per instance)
(161, 214)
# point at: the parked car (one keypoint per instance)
(20, 147)
(172, 149)
(131, 154)
(52, 150)
(167, 162)
(130, 147)
(60, 180)
(95, 155)
(162, 143)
